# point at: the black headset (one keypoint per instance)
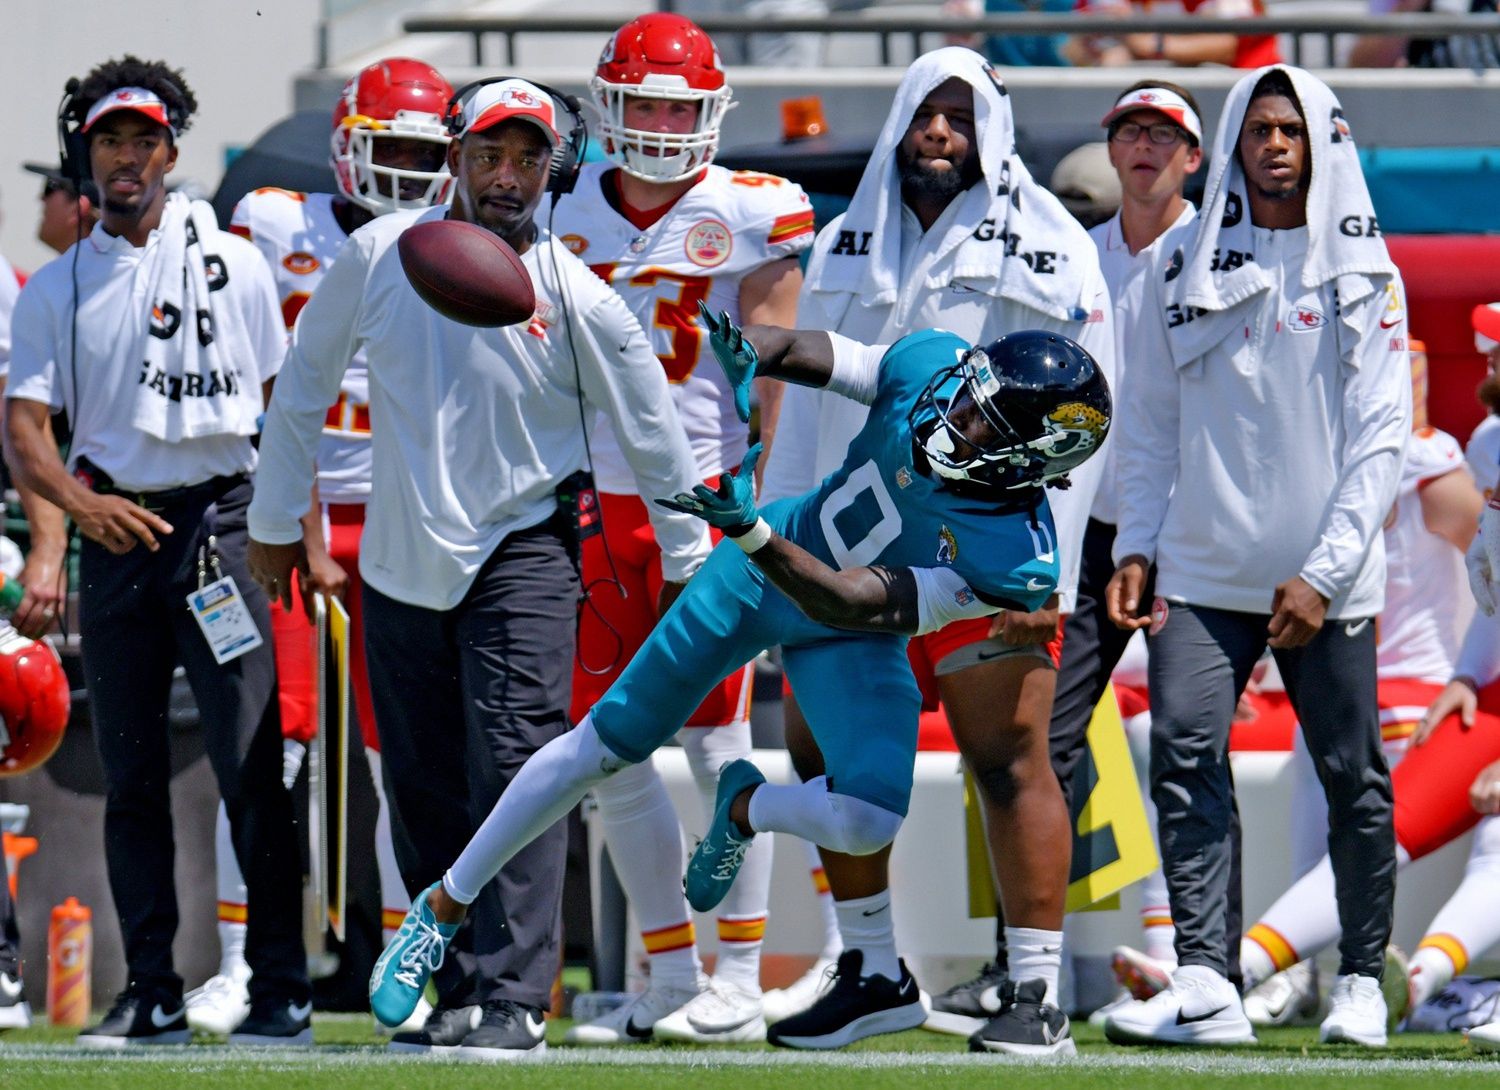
(73, 143)
(567, 159)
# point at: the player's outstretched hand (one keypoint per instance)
(735, 354)
(730, 507)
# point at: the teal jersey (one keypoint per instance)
(877, 508)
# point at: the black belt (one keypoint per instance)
(97, 480)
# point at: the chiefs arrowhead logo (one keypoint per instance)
(1305, 319)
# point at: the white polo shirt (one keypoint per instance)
(114, 303)
(471, 429)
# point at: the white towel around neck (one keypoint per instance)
(192, 383)
(1021, 217)
(1344, 244)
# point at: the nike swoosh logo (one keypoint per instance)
(1037, 584)
(1354, 628)
(10, 988)
(1183, 1020)
(1387, 323)
(161, 1019)
(720, 1027)
(989, 999)
(633, 1030)
(534, 1025)
(875, 911)
(299, 1013)
(1051, 1038)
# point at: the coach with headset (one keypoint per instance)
(156, 333)
(469, 555)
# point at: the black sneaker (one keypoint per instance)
(140, 1016)
(275, 1022)
(506, 1031)
(853, 1008)
(15, 1012)
(445, 1030)
(1026, 1025)
(964, 1008)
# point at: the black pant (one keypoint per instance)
(136, 627)
(10, 935)
(1200, 661)
(1092, 646)
(462, 698)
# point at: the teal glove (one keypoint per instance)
(731, 507)
(735, 354)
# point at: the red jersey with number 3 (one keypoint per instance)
(300, 237)
(722, 229)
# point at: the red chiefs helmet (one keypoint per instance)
(394, 99)
(34, 702)
(662, 56)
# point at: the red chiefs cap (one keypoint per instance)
(511, 98)
(138, 99)
(1167, 103)
(1486, 319)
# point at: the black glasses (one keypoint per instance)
(1163, 132)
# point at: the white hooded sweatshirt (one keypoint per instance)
(1273, 390)
(1003, 256)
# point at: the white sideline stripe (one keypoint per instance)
(17, 1057)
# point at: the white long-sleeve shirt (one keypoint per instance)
(472, 429)
(1284, 454)
(1126, 275)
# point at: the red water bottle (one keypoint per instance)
(70, 956)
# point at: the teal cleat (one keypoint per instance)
(401, 974)
(717, 859)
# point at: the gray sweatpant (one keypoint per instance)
(1200, 661)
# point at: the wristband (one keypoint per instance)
(754, 538)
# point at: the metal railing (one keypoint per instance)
(1023, 24)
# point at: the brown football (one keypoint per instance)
(466, 273)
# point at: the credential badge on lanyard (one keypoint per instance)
(220, 610)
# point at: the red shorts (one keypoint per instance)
(1432, 781)
(926, 652)
(614, 624)
(292, 638)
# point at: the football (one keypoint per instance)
(466, 273)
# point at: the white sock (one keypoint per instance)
(833, 942)
(232, 901)
(809, 810)
(547, 786)
(1468, 924)
(393, 899)
(1433, 966)
(645, 846)
(742, 914)
(1035, 954)
(865, 923)
(1255, 962)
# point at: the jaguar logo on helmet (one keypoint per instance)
(1079, 427)
(947, 551)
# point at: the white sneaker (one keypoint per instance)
(1484, 1038)
(1140, 974)
(633, 1023)
(1356, 1012)
(1284, 997)
(414, 1024)
(1200, 1008)
(796, 997)
(220, 1003)
(1119, 1002)
(723, 1013)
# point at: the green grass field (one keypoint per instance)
(350, 1056)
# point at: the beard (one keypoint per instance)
(923, 183)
